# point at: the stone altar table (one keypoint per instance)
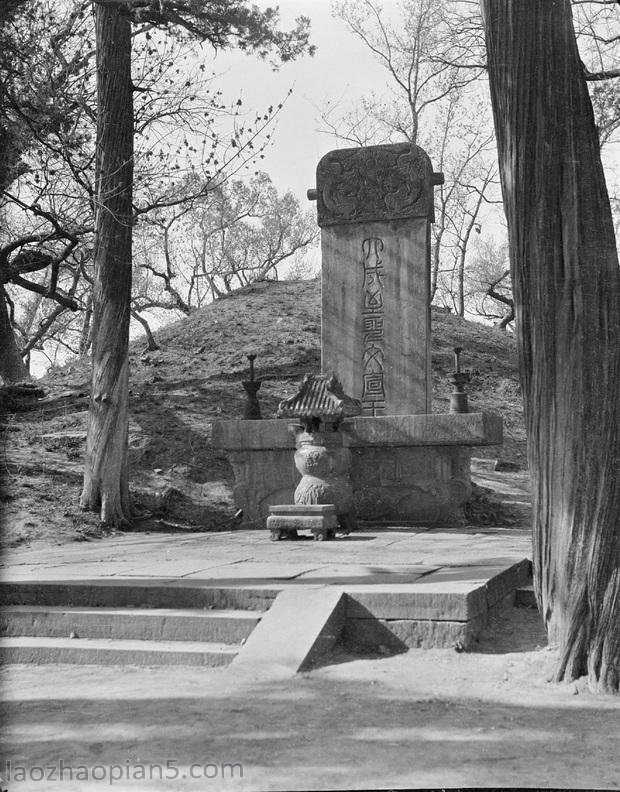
(414, 468)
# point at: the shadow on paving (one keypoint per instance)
(320, 727)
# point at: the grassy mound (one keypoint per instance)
(195, 378)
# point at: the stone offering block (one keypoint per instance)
(285, 521)
(374, 206)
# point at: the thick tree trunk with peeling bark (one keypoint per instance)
(105, 476)
(12, 366)
(567, 298)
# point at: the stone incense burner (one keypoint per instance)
(322, 456)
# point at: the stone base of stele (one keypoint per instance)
(405, 468)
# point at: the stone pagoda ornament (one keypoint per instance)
(319, 400)
(324, 496)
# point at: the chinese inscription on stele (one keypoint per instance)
(373, 318)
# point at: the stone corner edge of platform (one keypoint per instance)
(301, 626)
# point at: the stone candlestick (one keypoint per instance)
(251, 387)
(458, 397)
(322, 456)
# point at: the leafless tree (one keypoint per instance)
(432, 54)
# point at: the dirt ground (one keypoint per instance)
(424, 719)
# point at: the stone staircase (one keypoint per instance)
(135, 623)
(266, 622)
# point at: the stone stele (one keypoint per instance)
(375, 206)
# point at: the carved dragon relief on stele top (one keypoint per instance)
(374, 183)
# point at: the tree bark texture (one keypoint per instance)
(105, 475)
(566, 288)
(12, 366)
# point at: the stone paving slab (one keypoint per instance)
(124, 554)
(177, 567)
(475, 574)
(255, 570)
(97, 569)
(363, 570)
(368, 574)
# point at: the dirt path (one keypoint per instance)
(423, 719)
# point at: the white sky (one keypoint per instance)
(341, 66)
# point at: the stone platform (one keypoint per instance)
(235, 597)
(404, 467)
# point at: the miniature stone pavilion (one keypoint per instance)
(375, 207)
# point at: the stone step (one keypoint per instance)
(525, 596)
(136, 593)
(448, 594)
(53, 621)
(43, 650)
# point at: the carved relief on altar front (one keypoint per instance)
(374, 183)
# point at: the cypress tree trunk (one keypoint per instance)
(105, 475)
(566, 288)
(12, 366)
